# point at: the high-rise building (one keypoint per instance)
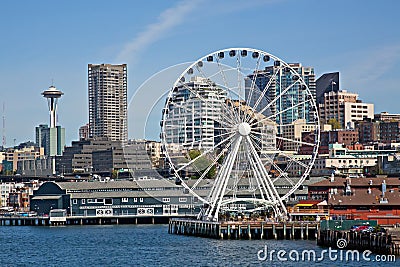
(52, 139)
(345, 107)
(193, 111)
(108, 102)
(293, 104)
(328, 82)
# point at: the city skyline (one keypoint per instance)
(40, 43)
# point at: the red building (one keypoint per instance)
(360, 198)
(345, 137)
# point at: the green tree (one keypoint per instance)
(202, 163)
(335, 124)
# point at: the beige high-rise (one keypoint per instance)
(107, 87)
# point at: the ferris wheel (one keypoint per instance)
(230, 127)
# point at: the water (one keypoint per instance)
(142, 245)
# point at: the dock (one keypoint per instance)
(84, 220)
(244, 229)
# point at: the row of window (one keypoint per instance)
(104, 201)
(109, 201)
(181, 199)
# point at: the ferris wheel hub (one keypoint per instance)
(244, 129)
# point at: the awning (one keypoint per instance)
(46, 197)
(305, 205)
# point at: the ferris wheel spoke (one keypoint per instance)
(241, 168)
(194, 127)
(293, 141)
(186, 108)
(229, 120)
(193, 113)
(198, 142)
(223, 151)
(279, 96)
(264, 175)
(221, 71)
(271, 161)
(239, 80)
(294, 160)
(210, 150)
(260, 183)
(265, 89)
(222, 177)
(280, 112)
(232, 111)
(281, 172)
(253, 83)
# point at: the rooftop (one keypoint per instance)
(358, 182)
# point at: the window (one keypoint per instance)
(75, 201)
(108, 201)
(182, 199)
(141, 199)
(124, 199)
(135, 199)
(83, 201)
(166, 199)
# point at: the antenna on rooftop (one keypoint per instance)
(4, 125)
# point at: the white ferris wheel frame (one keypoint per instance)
(265, 184)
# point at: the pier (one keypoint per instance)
(382, 243)
(244, 229)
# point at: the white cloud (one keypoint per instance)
(167, 20)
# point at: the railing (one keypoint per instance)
(309, 211)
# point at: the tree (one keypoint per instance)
(335, 124)
(202, 163)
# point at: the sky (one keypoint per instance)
(45, 42)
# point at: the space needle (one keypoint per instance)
(52, 95)
(54, 135)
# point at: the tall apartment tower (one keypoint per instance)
(289, 106)
(192, 116)
(108, 102)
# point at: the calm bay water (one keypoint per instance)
(142, 245)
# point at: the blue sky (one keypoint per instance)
(45, 40)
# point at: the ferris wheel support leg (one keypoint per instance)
(223, 178)
(219, 202)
